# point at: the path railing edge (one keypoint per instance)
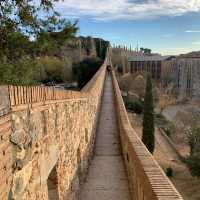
(19, 97)
(146, 178)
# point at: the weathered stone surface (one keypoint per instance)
(146, 178)
(185, 75)
(4, 100)
(58, 135)
(18, 137)
(20, 181)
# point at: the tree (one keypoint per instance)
(148, 137)
(145, 50)
(21, 19)
(51, 69)
(50, 43)
(85, 70)
(194, 140)
(30, 30)
(193, 160)
(25, 16)
(193, 163)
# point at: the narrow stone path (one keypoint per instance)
(106, 178)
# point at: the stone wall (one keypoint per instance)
(182, 75)
(120, 57)
(6, 157)
(186, 75)
(5, 147)
(147, 180)
(51, 130)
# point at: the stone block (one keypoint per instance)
(4, 100)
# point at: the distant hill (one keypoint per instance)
(194, 54)
(79, 48)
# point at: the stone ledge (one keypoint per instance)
(146, 178)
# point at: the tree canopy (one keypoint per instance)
(21, 20)
(145, 50)
(30, 30)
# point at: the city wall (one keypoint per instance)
(147, 180)
(46, 139)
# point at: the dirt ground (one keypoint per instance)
(183, 115)
(188, 186)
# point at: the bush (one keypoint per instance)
(170, 130)
(194, 140)
(85, 70)
(29, 71)
(159, 116)
(135, 106)
(167, 131)
(169, 172)
(51, 69)
(22, 72)
(193, 163)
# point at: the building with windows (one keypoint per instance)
(182, 72)
(152, 64)
(185, 74)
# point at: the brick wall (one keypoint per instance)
(51, 129)
(147, 180)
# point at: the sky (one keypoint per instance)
(169, 27)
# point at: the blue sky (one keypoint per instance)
(165, 26)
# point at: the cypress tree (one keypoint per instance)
(148, 137)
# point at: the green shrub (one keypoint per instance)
(169, 172)
(159, 116)
(30, 71)
(193, 163)
(51, 69)
(85, 70)
(167, 131)
(135, 106)
(194, 140)
(22, 72)
(170, 130)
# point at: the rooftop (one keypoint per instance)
(150, 58)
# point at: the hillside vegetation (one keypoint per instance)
(35, 50)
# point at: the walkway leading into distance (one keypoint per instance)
(107, 178)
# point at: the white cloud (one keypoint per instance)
(127, 9)
(192, 31)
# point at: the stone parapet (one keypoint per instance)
(146, 178)
(47, 138)
(4, 100)
(21, 95)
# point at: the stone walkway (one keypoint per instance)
(106, 178)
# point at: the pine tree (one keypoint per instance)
(148, 137)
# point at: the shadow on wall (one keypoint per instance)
(73, 191)
(52, 184)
